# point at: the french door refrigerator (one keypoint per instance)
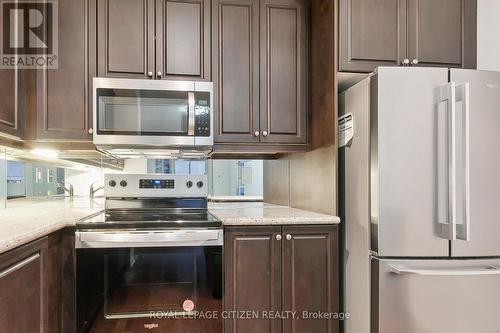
(421, 202)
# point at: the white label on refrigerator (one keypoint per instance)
(346, 129)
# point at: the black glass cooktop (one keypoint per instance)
(148, 218)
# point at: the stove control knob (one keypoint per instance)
(189, 184)
(123, 183)
(112, 183)
(199, 184)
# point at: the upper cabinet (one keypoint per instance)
(183, 38)
(9, 111)
(372, 34)
(235, 54)
(282, 69)
(63, 110)
(161, 39)
(406, 32)
(259, 71)
(442, 33)
(125, 38)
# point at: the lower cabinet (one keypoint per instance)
(23, 292)
(278, 279)
(37, 286)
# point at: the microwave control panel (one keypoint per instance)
(202, 114)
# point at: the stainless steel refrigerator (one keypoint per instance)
(421, 202)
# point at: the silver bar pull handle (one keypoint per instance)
(191, 109)
(488, 270)
(463, 214)
(447, 94)
(20, 264)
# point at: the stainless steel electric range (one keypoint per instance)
(152, 260)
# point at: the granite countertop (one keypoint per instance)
(26, 220)
(259, 213)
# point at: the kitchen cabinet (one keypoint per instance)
(16, 95)
(8, 101)
(282, 68)
(235, 54)
(63, 108)
(400, 32)
(252, 277)
(161, 39)
(259, 66)
(274, 268)
(442, 33)
(183, 38)
(22, 289)
(37, 285)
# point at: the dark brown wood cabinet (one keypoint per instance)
(413, 32)
(235, 54)
(259, 71)
(125, 38)
(37, 285)
(8, 101)
(63, 110)
(183, 38)
(252, 277)
(283, 76)
(161, 39)
(274, 268)
(310, 276)
(23, 289)
(372, 33)
(442, 33)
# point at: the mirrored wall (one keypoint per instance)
(50, 175)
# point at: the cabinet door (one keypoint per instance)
(442, 33)
(310, 277)
(235, 54)
(8, 101)
(283, 109)
(372, 33)
(125, 38)
(252, 277)
(63, 110)
(23, 306)
(183, 39)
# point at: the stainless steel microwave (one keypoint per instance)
(130, 113)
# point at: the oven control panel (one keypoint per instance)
(156, 183)
(155, 186)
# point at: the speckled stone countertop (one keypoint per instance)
(258, 213)
(26, 220)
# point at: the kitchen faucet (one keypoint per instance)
(92, 190)
(64, 185)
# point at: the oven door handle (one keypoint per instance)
(156, 238)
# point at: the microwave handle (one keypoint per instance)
(191, 108)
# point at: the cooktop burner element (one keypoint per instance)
(150, 219)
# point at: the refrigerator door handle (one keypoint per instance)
(487, 270)
(462, 95)
(448, 94)
(458, 162)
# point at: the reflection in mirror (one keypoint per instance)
(233, 179)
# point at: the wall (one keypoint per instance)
(488, 35)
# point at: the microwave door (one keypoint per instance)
(145, 117)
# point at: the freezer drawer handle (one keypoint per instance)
(487, 270)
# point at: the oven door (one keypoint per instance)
(150, 112)
(174, 289)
